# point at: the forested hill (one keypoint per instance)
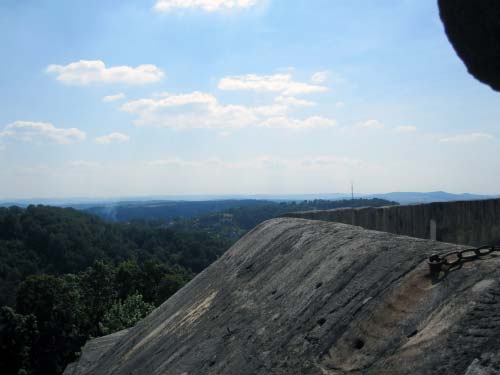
(51, 240)
(66, 276)
(255, 210)
(166, 210)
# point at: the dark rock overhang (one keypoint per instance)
(473, 27)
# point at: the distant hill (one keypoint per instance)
(250, 211)
(435, 196)
(166, 210)
(227, 201)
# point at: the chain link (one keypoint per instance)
(440, 262)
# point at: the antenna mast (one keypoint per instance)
(352, 190)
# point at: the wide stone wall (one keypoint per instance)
(466, 222)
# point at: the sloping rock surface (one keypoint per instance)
(309, 297)
(473, 27)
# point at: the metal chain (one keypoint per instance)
(438, 262)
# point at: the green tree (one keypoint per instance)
(56, 304)
(169, 285)
(125, 314)
(128, 279)
(99, 293)
(18, 334)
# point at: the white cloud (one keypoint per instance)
(39, 132)
(113, 98)
(372, 124)
(194, 110)
(294, 102)
(265, 162)
(320, 77)
(83, 164)
(467, 138)
(167, 100)
(368, 127)
(113, 137)
(405, 129)
(340, 104)
(314, 122)
(207, 5)
(282, 83)
(203, 110)
(224, 134)
(85, 72)
(175, 162)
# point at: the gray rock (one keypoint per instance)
(309, 297)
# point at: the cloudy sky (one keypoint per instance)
(157, 97)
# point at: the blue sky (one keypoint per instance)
(124, 98)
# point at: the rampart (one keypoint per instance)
(464, 222)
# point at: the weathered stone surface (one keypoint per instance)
(474, 223)
(310, 297)
(473, 27)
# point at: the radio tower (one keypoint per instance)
(352, 190)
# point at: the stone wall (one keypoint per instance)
(466, 222)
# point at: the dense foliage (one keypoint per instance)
(55, 315)
(51, 240)
(66, 276)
